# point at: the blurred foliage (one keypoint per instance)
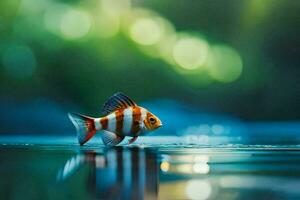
(235, 56)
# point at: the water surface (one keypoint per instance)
(64, 170)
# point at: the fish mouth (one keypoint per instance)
(159, 125)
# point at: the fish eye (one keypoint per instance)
(152, 120)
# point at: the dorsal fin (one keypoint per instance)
(117, 101)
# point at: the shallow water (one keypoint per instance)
(63, 170)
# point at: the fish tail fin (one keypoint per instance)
(85, 127)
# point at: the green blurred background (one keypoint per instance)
(238, 57)
(217, 72)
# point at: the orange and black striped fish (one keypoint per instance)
(121, 117)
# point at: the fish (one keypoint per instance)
(120, 117)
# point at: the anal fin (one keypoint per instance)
(110, 138)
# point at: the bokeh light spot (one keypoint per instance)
(19, 61)
(154, 45)
(224, 64)
(198, 189)
(165, 166)
(201, 168)
(190, 52)
(75, 24)
(146, 31)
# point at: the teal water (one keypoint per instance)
(33, 168)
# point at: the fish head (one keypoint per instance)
(152, 122)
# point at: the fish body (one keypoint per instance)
(122, 117)
(124, 122)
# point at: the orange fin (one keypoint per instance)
(117, 101)
(85, 127)
(110, 138)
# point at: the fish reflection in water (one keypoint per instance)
(137, 173)
(116, 173)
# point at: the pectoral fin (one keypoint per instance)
(110, 138)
